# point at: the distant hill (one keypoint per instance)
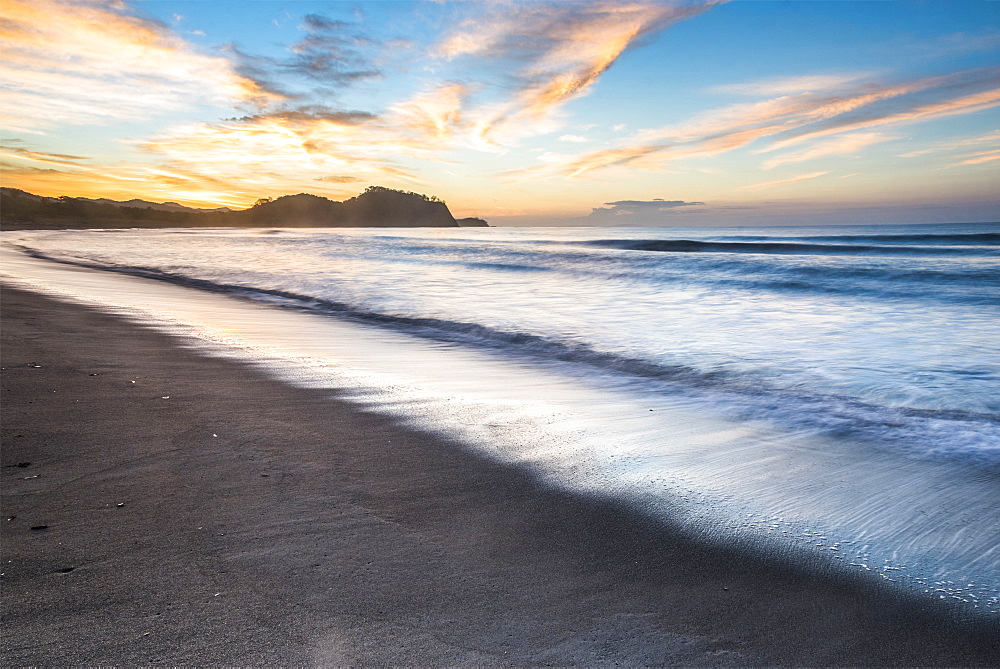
(145, 204)
(472, 222)
(22, 210)
(375, 207)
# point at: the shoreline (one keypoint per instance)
(310, 532)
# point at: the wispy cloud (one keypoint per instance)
(236, 161)
(607, 158)
(837, 146)
(953, 44)
(264, 153)
(923, 100)
(79, 62)
(343, 179)
(11, 149)
(556, 51)
(793, 119)
(957, 144)
(435, 114)
(812, 83)
(978, 158)
(332, 54)
(770, 184)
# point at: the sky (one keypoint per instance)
(686, 112)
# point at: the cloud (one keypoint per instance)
(9, 149)
(837, 146)
(610, 158)
(923, 100)
(555, 52)
(270, 152)
(978, 158)
(636, 212)
(790, 85)
(576, 139)
(77, 62)
(952, 44)
(656, 204)
(338, 179)
(309, 113)
(791, 119)
(316, 23)
(436, 114)
(332, 54)
(13, 168)
(958, 144)
(771, 184)
(233, 162)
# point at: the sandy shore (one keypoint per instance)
(162, 507)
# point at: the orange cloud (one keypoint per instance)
(947, 146)
(771, 184)
(270, 154)
(798, 118)
(978, 158)
(966, 104)
(584, 47)
(610, 158)
(837, 146)
(77, 62)
(436, 114)
(563, 49)
(20, 153)
(229, 163)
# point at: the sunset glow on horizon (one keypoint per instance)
(686, 112)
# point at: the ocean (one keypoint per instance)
(829, 395)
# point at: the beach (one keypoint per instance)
(165, 507)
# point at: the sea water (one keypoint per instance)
(827, 394)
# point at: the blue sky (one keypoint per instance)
(628, 113)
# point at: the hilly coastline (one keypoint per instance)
(377, 207)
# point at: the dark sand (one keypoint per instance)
(308, 532)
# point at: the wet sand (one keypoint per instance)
(164, 507)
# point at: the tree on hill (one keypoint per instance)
(387, 207)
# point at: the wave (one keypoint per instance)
(956, 285)
(957, 282)
(964, 436)
(772, 247)
(936, 239)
